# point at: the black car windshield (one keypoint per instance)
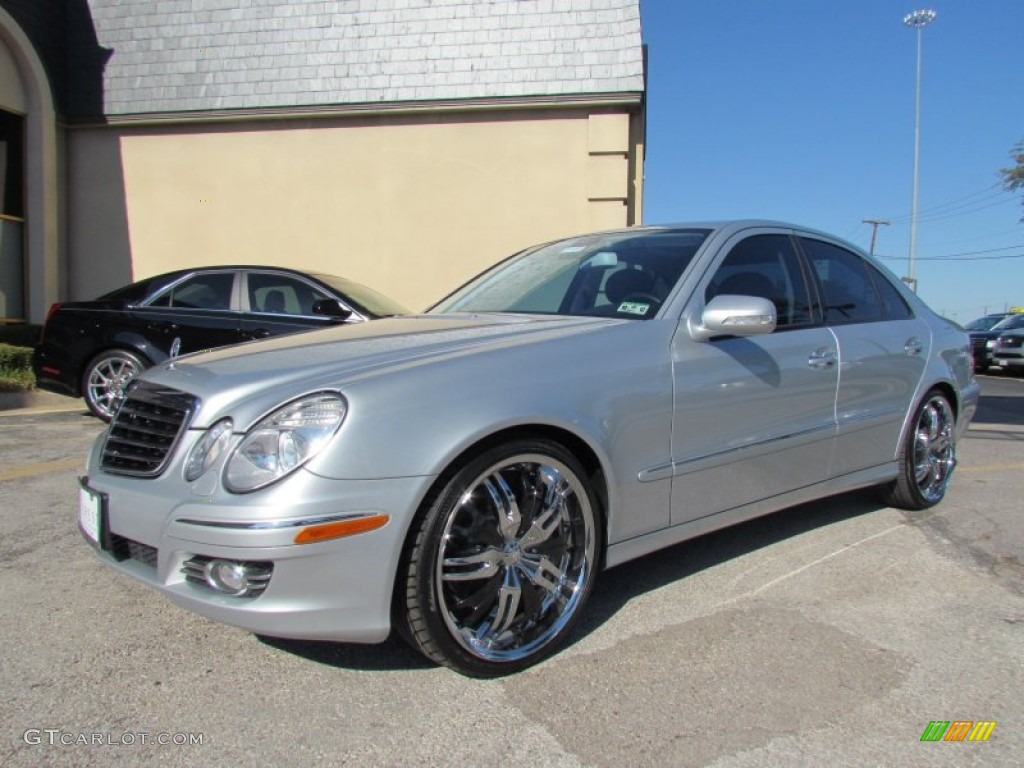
(1009, 323)
(365, 299)
(983, 323)
(621, 274)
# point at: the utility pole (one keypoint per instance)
(874, 229)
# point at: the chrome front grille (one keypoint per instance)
(145, 429)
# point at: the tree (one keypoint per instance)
(1013, 177)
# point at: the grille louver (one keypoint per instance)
(145, 429)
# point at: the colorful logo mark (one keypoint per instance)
(958, 730)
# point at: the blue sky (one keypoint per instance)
(803, 110)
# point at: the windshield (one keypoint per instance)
(366, 299)
(983, 323)
(1013, 321)
(622, 274)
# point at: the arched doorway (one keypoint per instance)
(29, 238)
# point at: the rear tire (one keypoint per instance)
(927, 458)
(106, 377)
(501, 562)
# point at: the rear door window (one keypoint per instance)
(208, 290)
(848, 293)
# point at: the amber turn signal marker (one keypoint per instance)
(336, 530)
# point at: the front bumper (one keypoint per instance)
(1009, 360)
(338, 589)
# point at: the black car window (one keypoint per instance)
(281, 294)
(766, 266)
(211, 290)
(848, 292)
(896, 307)
(137, 292)
(1008, 323)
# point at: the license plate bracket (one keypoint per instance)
(92, 515)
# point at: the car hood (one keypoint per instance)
(252, 378)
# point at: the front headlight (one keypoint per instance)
(283, 441)
(207, 449)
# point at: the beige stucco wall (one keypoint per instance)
(409, 204)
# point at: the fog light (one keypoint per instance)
(225, 576)
(229, 577)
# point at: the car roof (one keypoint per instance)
(261, 267)
(725, 226)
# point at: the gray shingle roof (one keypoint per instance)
(185, 55)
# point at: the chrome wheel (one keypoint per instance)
(928, 456)
(934, 450)
(106, 378)
(516, 550)
(504, 560)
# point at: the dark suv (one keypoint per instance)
(92, 349)
(984, 332)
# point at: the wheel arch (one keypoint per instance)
(572, 442)
(945, 388)
(112, 346)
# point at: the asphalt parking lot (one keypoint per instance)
(828, 634)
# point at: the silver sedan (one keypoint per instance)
(461, 476)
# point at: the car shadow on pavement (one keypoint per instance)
(392, 655)
(1000, 409)
(618, 586)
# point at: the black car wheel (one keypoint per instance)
(501, 562)
(928, 456)
(106, 377)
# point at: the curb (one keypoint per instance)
(37, 401)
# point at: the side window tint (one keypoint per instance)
(896, 307)
(281, 294)
(848, 292)
(209, 291)
(766, 266)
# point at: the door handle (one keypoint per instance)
(823, 358)
(913, 347)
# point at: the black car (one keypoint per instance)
(985, 330)
(92, 349)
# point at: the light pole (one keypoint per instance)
(916, 20)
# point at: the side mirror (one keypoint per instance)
(728, 315)
(331, 308)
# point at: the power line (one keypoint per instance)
(992, 191)
(964, 212)
(954, 257)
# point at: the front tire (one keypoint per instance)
(106, 377)
(928, 456)
(501, 562)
